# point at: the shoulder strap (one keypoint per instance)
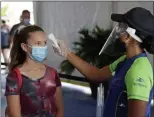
(19, 77)
(128, 62)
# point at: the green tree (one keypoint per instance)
(4, 10)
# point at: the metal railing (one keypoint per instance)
(70, 77)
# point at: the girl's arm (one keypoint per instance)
(13, 95)
(13, 106)
(59, 102)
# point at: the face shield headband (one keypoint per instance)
(119, 29)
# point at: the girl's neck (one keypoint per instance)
(31, 63)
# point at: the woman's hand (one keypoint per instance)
(89, 71)
(60, 47)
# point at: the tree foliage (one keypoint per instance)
(88, 48)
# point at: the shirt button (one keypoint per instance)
(43, 97)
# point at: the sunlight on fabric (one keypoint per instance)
(14, 10)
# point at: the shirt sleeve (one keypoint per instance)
(13, 30)
(115, 63)
(12, 84)
(139, 84)
(57, 79)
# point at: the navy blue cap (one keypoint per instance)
(139, 18)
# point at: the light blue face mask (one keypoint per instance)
(26, 21)
(39, 53)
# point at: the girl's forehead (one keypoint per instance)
(37, 36)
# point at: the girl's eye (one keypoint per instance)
(38, 43)
(41, 43)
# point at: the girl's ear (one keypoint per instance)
(24, 47)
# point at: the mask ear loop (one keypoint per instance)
(127, 40)
(128, 36)
(30, 55)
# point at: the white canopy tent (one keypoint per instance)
(64, 19)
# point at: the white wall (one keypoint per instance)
(64, 19)
(13, 12)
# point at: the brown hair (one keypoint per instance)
(25, 11)
(17, 55)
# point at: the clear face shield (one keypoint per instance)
(112, 45)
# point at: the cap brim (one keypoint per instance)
(117, 17)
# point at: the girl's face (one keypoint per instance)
(37, 38)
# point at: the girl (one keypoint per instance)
(32, 88)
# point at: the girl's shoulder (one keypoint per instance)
(13, 74)
(13, 71)
(51, 70)
(52, 74)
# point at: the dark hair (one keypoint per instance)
(148, 44)
(17, 55)
(148, 41)
(25, 11)
(3, 21)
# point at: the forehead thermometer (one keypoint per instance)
(54, 41)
